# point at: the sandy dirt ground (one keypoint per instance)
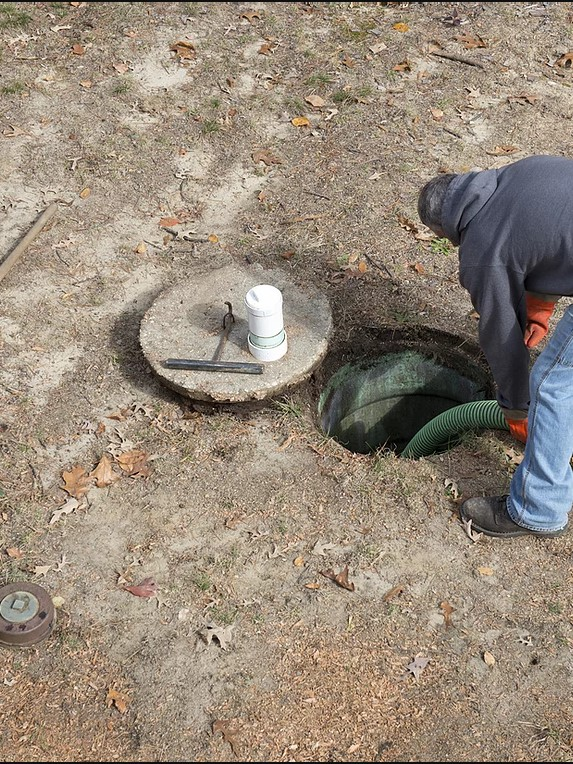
(231, 583)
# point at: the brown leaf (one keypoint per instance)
(402, 67)
(145, 588)
(523, 98)
(400, 27)
(315, 100)
(300, 122)
(76, 481)
(471, 42)
(169, 222)
(134, 463)
(312, 585)
(347, 61)
(502, 150)
(78, 49)
(121, 68)
(229, 732)
(264, 155)
(103, 473)
(419, 268)
(409, 225)
(14, 553)
(118, 699)
(566, 60)
(266, 48)
(183, 49)
(250, 15)
(85, 193)
(393, 592)
(339, 578)
(448, 610)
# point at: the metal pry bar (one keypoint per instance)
(191, 364)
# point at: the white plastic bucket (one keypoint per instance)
(267, 339)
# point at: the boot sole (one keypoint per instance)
(513, 534)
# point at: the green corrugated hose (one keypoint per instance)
(475, 415)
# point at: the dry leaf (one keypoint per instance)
(86, 84)
(474, 535)
(471, 42)
(300, 122)
(393, 592)
(103, 473)
(183, 49)
(223, 635)
(448, 610)
(85, 193)
(419, 268)
(70, 506)
(250, 15)
(488, 658)
(76, 482)
(145, 588)
(121, 68)
(42, 570)
(264, 155)
(417, 666)
(224, 727)
(437, 114)
(377, 47)
(347, 61)
(339, 578)
(168, 222)
(118, 699)
(485, 571)
(266, 48)
(566, 60)
(134, 463)
(78, 49)
(502, 150)
(141, 248)
(14, 553)
(213, 238)
(401, 27)
(402, 67)
(312, 585)
(298, 562)
(315, 100)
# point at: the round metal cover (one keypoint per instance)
(27, 614)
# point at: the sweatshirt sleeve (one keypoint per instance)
(498, 296)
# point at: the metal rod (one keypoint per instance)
(190, 364)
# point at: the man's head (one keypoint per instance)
(430, 202)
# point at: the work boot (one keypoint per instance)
(489, 515)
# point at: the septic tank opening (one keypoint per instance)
(384, 402)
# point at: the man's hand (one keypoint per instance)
(538, 315)
(518, 428)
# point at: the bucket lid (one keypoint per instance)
(264, 300)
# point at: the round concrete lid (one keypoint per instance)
(186, 321)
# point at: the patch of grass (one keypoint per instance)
(210, 126)
(319, 79)
(12, 16)
(440, 247)
(289, 408)
(123, 86)
(342, 96)
(223, 616)
(14, 88)
(202, 582)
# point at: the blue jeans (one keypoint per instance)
(541, 490)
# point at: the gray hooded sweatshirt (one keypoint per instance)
(514, 228)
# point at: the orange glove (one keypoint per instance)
(518, 428)
(538, 314)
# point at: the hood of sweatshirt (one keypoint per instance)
(465, 197)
